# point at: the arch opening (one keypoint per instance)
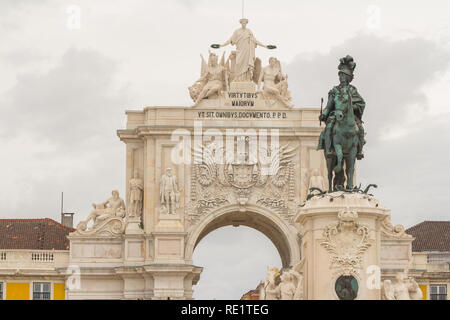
(284, 237)
(254, 221)
(234, 262)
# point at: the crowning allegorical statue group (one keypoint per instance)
(242, 65)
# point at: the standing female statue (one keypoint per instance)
(245, 43)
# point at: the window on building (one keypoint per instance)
(1, 290)
(41, 291)
(438, 292)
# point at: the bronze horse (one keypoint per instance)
(344, 137)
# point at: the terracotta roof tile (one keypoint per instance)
(36, 234)
(431, 236)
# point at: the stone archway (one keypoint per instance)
(283, 236)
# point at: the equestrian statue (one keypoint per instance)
(342, 139)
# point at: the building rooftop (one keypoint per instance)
(431, 236)
(34, 234)
(253, 294)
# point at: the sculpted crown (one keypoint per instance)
(347, 215)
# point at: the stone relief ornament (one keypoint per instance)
(391, 231)
(242, 180)
(107, 218)
(403, 288)
(169, 193)
(213, 80)
(275, 83)
(284, 285)
(136, 196)
(346, 242)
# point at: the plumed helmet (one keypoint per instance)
(347, 65)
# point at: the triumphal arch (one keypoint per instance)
(241, 154)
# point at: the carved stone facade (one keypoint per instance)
(239, 156)
(243, 181)
(191, 185)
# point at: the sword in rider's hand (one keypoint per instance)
(321, 107)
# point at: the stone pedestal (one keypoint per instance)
(243, 87)
(173, 281)
(133, 226)
(341, 238)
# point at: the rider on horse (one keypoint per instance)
(340, 95)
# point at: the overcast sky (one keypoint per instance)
(64, 90)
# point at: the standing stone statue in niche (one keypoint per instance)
(136, 196)
(275, 83)
(343, 137)
(245, 43)
(170, 196)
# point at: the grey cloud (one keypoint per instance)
(74, 103)
(21, 57)
(7, 6)
(61, 132)
(412, 171)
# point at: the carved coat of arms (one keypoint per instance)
(346, 242)
(242, 179)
